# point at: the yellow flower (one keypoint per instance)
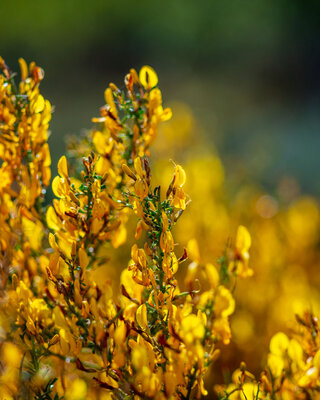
(148, 77)
(192, 329)
(241, 253)
(279, 344)
(224, 303)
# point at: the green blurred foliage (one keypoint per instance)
(249, 69)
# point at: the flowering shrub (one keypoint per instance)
(64, 333)
(67, 329)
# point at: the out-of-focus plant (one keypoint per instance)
(292, 370)
(64, 334)
(284, 225)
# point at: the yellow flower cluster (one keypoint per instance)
(292, 371)
(25, 166)
(64, 333)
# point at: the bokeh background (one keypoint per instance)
(243, 79)
(250, 70)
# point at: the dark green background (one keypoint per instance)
(249, 69)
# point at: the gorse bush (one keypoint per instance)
(66, 330)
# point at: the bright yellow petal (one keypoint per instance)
(37, 104)
(52, 219)
(138, 166)
(180, 176)
(279, 344)
(83, 259)
(56, 186)
(212, 275)
(119, 236)
(193, 250)
(23, 68)
(63, 167)
(109, 100)
(53, 243)
(148, 77)
(142, 317)
(243, 239)
(166, 114)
